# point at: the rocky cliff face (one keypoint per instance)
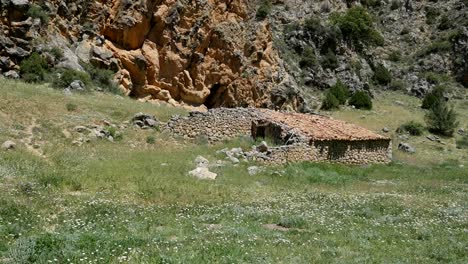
(217, 53)
(194, 52)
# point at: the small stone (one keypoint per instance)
(77, 85)
(406, 148)
(385, 130)
(80, 129)
(203, 173)
(254, 170)
(461, 131)
(8, 145)
(233, 159)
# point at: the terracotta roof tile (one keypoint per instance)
(318, 127)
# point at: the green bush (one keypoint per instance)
(397, 85)
(57, 53)
(431, 98)
(34, 68)
(441, 119)
(150, 140)
(361, 100)
(36, 11)
(114, 133)
(395, 4)
(313, 26)
(445, 23)
(330, 102)
(308, 59)
(357, 26)
(102, 78)
(292, 222)
(463, 142)
(436, 47)
(263, 10)
(71, 107)
(382, 75)
(431, 14)
(329, 60)
(395, 56)
(68, 76)
(412, 127)
(340, 91)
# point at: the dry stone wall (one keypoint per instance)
(215, 125)
(350, 152)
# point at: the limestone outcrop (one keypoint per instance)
(196, 52)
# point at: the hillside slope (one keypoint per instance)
(132, 200)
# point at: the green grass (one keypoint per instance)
(109, 202)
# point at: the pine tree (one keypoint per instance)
(441, 119)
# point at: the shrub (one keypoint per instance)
(412, 127)
(150, 140)
(308, 59)
(68, 76)
(405, 31)
(463, 142)
(329, 60)
(357, 26)
(431, 98)
(436, 47)
(382, 75)
(340, 91)
(431, 14)
(330, 102)
(361, 100)
(445, 23)
(57, 53)
(397, 85)
(114, 133)
(313, 26)
(292, 222)
(102, 78)
(371, 3)
(395, 56)
(395, 4)
(263, 10)
(36, 11)
(34, 68)
(441, 119)
(71, 107)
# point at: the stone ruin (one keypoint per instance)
(297, 137)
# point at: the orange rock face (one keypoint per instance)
(202, 52)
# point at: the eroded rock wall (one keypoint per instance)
(202, 52)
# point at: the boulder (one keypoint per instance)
(142, 120)
(406, 148)
(203, 173)
(11, 75)
(8, 145)
(77, 85)
(263, 147)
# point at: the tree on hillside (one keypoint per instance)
(441, 119)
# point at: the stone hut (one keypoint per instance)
(297, 137)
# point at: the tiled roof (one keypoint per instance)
(318, 127)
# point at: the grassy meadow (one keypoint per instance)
(132, 201)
